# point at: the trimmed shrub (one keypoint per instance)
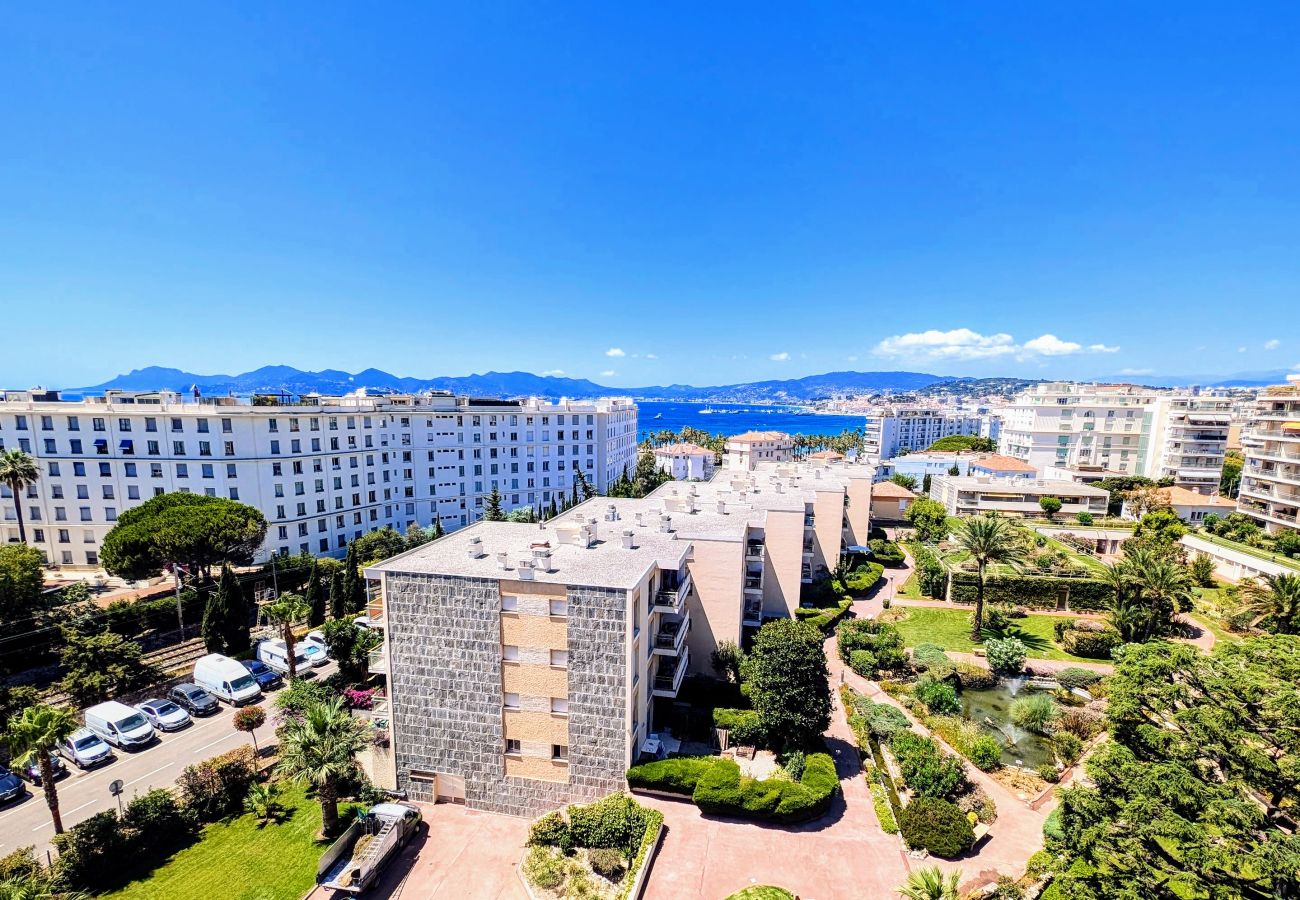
(931, 658)
(887, 553)
(607, 863)
(1091, 644)
(863, 662)
(675, 776)
(974, 678)
(216, 787)
(864, 578)
(985, 752)
(551, 830)
(742, 724)
(1048, 772)
(938, 696)
(158, 820)
(616, 822)
(1075, 677)
(927, 771)
(720, 789)
(1006, 655)
(544, 869)
(938, 826)
(1068, 747)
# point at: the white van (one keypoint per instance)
(119, 724)
(275, 655)
(226, 679)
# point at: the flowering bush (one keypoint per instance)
(360, 699)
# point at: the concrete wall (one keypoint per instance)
(783, 561)
(716, 602)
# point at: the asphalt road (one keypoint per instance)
(83, 793)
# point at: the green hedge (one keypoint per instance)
(743, 725)
(1036, 591)
(716, 786)
(887, 553)
(825, 620)
(931, 576)
(864, 578)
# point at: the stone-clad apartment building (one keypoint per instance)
(527, 663)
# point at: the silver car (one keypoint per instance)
(83, 748)
(164, 714)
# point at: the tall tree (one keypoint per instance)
(320, 749)
(1050, 506)
(786, 679)
(437, 527)
(1272, 602)
(21, 581)
(225, 619)
(929, 518)
(582, 487)
(354, 585)
(904, 480)
(338, 599)
(192, 529)
(1230, 478)
(34, 734)
(492, 507)
(349, 645)
(284, 613)
(315, 598)
(416, 536)
(1191, 795)
(988, 540)
(17, 471)
(102, 665)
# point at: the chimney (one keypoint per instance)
(665, 523)
(722, 507)
(525, 570)
(503, 560)
(476, 548)
(542, 558)
(627, 539)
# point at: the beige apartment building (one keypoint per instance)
(972, 495)
(1270, 479)
(745, 451)
(528, 663)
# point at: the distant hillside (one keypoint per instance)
(505, 384)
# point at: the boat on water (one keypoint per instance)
(707, 410)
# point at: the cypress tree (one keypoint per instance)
(338, 602)
(315, 597)
(437, 527)
(237, 639)
(354, 590)
(492, 509)
(214, 623)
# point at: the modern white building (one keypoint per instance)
(906, 430)
(323, 470)
(747, 450)
(1270, 479)
(685, 461)
(977, 494)
(1125, 429)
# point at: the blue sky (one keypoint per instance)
(669, 193)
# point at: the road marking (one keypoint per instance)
(147, 774)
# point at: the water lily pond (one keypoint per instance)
(991, 709)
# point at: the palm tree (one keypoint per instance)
(931, 884)
(1275, 597)
(34, 735)
(17, 471)
(283, 613)
(32, 887)
(319, 749)
(988, 539)
(1163, 587)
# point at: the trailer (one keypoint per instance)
(355, 860)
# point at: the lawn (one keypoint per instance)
(1208, 613)
(236, 860)
(950, 629)
(911, 588)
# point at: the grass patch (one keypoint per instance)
(950, 629)
(911, 588)
(762, 892)
(1247, 549)
(237, 860)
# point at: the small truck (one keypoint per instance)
(354, 862)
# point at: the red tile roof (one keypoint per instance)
(888, 490)
(753, 436)
(686, 449)
(996, 462)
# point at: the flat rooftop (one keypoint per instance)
(1022, 486)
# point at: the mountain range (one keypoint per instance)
(274, 379)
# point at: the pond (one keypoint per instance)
(991, 709)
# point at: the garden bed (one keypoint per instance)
(950, 628)
(599, 850)
(716, 786)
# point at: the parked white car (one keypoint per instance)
(120, 725)
(164, 714)
(84, 749)
(314, 646)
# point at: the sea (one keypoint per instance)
(735, 418)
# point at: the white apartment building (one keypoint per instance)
(1123, 429)
(973, 495)
(745, 451)
(527, 663)
(907, 430)
(323, 470)
(685, 461)
(1270, 479)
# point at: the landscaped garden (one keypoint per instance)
(951, 629)
(596, 850)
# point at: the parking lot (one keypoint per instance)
(83, 793)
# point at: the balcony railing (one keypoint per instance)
(670, 672)
(754, 551)
(671, 635)
(753, 582)
(378, 663)
(753, 612)
(672, 596)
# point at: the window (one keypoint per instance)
(559, 657)
(559, 607)
(512, 701)
(560, 706)
(509, 604)
(559, 752)
(510, 653)
(513, 747)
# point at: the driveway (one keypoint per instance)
(464, 854)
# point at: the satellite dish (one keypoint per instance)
(115, 787)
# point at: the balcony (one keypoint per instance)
(375, 610)
(809, 521)
(671, 635)
(753, 612)
(670, 672)
(378, 662)
(754, 551)
(754, 583)
(671, 595)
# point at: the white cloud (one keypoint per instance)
(1272, 344)
(965, 344)
(779, 357)
(853, 359)
(608, 373)
(554, 373)
(652, 356)
(615, 352)
(1241, 349)
(1137, 371)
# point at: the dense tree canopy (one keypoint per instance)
(929, 518)
(960, 442)
(1191, 797)
(379, 544)
(20, 581)
(786, 679)
(191, 529)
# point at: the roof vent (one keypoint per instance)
(542, 558)
(665, 523)
(780, 487)
(525, 570)
(640, 518)
(503, 560)
(722, 507)
(611, 513)
(476, 548)
(627, 539)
